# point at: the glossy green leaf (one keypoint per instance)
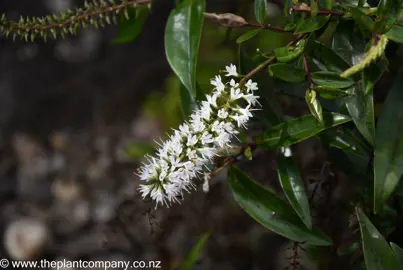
(292, 184)
(290, 26)
(287, 72)
(377, 253)
(248, 35)
(299, 129)
(271, 211)
(364, 22)
(331, 79)
(330, 92)
(395, 33)
(388, 11)
(314, 104)
(260, 10)
(329, 58)
(194, 254)
(346, 140)
(361, 108)
(388, 156)
(360, 101)
(398, 252)
(130, 29)
(287, 54)
(309, 44)
(182, 38)
(311, 24)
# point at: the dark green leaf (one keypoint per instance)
(130, 29)
(260, 10)
(290, 26)
(329, 4)
(314, 104)
(330, 92)
(248, 35)
(329, 58)
(299, 129)
(331, 79)
(182, 38)
(395, 33)
(377, 253)
(388, 11)
(388, 156)
(194, 254)
(186, 102)
(398, 252)
(287, 54)
(346, 140)
(287, 72)
(364, 22)
(292, 184)
(361, 108)
(311, 24)
(309, 44)
(271, 211)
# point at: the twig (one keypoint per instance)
(323, 12)
(268, 61)
(308, 72)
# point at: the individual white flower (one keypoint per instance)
(251, 86)
(251, 99)
(207, 152)
(231, 70)
(218, 83)
(222, 113)
(212, 100)
(206, 138)
(205, 111)
(184, 128)
(233, 84)
(191, 153)
(236, 94)
(223, 139)
(191, 140)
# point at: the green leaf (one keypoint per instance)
(377, 253)
(182, 38)
(191, 259)
(361, 108)
(388, 11)
(329, 58)
(287, 54)
(130, 29)
(292, 184)
(331, 79)
(330, 92)
(346, 140)
(388, 156)
(313, 104)
(299, 129)
(329, 4)
(398, 252)
(311, 24)
(395, 33)
(248, 35)
(260, 10)
(271, 211)
(287, 72)
(364, 22)
(185, 102)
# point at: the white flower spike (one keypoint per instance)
(187, 153)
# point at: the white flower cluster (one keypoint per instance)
(191, 148)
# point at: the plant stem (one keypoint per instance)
(323, 12)
(275, 28)
(268, 61)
